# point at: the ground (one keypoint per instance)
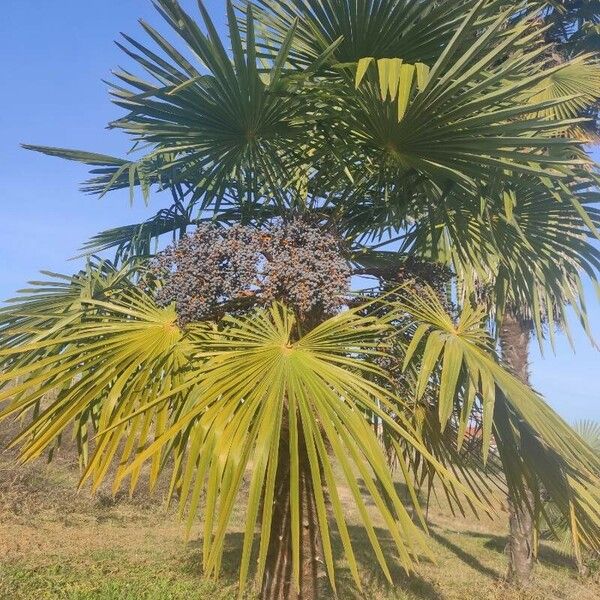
(56, 543)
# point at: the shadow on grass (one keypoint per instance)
(467, 558)
(546, 554)
(414, 585)
(373, 578)
(232, 551)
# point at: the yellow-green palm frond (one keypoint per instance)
(576, 89)
(212, 405)
(534, 443)
(100, 361)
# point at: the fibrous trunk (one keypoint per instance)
(278, 581)
(520, 542)
(514, 342)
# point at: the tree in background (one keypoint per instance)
(528, 291)
(525, 266)
(239, 353)
(574, 31)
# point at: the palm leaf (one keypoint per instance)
(576, 85)
(523, 243)
(214, 400)
(416, 31)
(535, 444)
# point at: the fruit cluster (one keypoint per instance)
(216, 270)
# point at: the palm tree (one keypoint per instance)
(572, 33)
(572, 29)
(525, 265)
(356, 119)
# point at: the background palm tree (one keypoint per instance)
(572, 30)
(525, 265)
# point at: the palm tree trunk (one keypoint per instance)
(514, 341)
(278, 582)
(520, 543)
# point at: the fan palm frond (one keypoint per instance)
(226, 120)
(522, 243)
(535, 444)
(206, 402)
(416, 31)
(577, 88)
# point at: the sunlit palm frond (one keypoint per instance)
(92, 355)
(207, 402)
(577, 88)
(522, 244)
(416, 31)
(535, 444)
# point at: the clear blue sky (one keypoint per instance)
(54, 55)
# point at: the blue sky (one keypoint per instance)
(54, 57)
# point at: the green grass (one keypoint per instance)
(125, 564)
(100, 582)
(56, 544)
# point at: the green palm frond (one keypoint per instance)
(535, 444)
(112, 173)
(211, 122)
(41, 310)
(416, 31)
(206, 403)
(576, 86)
(523, 243)
(465, 121)
(258, 125)
(559, 526)
(458, 446)
(141, 239)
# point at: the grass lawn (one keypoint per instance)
(57, 544)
